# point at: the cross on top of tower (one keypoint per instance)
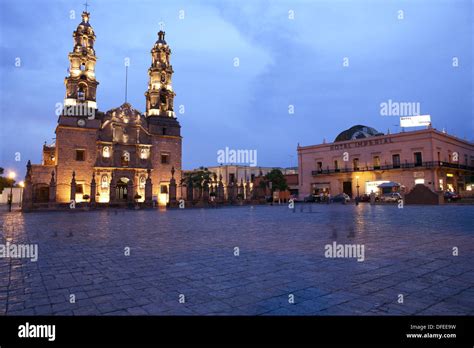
(85, 6)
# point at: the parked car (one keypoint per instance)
(391, 197)
(451, 196)
(340, 198)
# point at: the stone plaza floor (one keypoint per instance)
(185, 262)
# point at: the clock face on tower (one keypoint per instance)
(81, 122)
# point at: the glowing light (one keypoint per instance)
(106, 152)
(12, 175)
(22, 184)
(162, 198)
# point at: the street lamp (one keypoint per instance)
(22, 185)
(11, 176)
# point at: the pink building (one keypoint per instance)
(361, 158)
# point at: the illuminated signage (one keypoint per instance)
(415, 121)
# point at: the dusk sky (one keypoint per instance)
(283, 61)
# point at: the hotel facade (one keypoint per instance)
(361, 158)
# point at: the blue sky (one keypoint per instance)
(283, 62)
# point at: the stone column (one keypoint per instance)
(247, 190)
(73, 187)
(172, 189)
(27, 199)
(130, 192)
(52, 190)
(112, 188)
(148, 189)
(93, 188)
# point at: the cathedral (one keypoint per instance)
(112, 157)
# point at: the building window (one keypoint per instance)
(106, 152)
(83, 67)
(165, 158)
(125, 159)
(231, 177)
(465, 160)
(418, 159)
(252, 177)
(81, 94)
(336, 166)
(79, 189)
(376, 162)
(396, 161)
(355, 164)
(319, 166)
(164, 130)
(80, 155)
(164, 189)
(439, 156)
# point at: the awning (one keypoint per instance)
(389, 184)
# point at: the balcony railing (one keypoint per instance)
(433, 164)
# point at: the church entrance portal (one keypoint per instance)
(121, 189)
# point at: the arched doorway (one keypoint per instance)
(121, 189)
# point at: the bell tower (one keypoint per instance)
(160, 95)
(81, 84)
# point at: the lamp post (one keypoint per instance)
(22, 185)
(11, 175)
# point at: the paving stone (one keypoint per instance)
(281, 253)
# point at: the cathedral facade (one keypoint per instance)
(116, 156)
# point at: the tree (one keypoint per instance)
(5, 182)
(276, 177)
(197, 177)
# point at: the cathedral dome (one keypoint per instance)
(357, 132)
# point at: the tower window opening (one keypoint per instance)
(83, 67)
(81, 94)
(163, 98)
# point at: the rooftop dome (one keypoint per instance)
(357, 132)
